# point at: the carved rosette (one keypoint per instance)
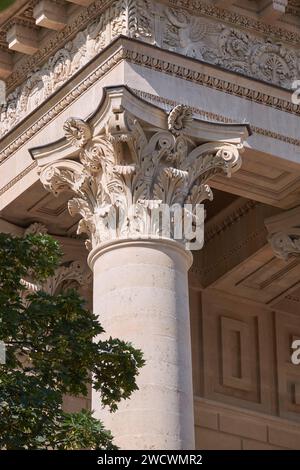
(126, 172)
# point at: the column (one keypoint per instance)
(126, 171)
(141, 294)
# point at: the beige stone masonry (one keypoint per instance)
(131, 153)
(220, 426)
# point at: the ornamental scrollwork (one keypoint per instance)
(285, 245)
(64, 277)
(231, 48)
(127, 171)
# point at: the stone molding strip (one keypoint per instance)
(191, 75)
(17, 178)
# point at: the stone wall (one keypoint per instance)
(223, 427)
(245, 385)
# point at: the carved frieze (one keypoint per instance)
(62, 65)
(230, 48)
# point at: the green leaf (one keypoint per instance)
(52, 350)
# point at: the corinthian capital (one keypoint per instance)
(127, 168)
(284, 233)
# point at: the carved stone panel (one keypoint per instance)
(237, 353)
(229, 47)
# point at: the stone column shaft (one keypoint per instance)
(141, 294)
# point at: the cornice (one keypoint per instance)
(254, 238)
(210, 80)
(228, 217)
(176, 33)
(204, 266)
(63, 103)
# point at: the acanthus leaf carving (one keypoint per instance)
(36, 228)
(285, 245)
(128, 172)
(284, 233)
(65, 176)
(64, 277)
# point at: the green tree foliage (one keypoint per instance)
(5, 4)
(53, 349)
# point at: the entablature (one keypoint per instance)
(230, 35)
